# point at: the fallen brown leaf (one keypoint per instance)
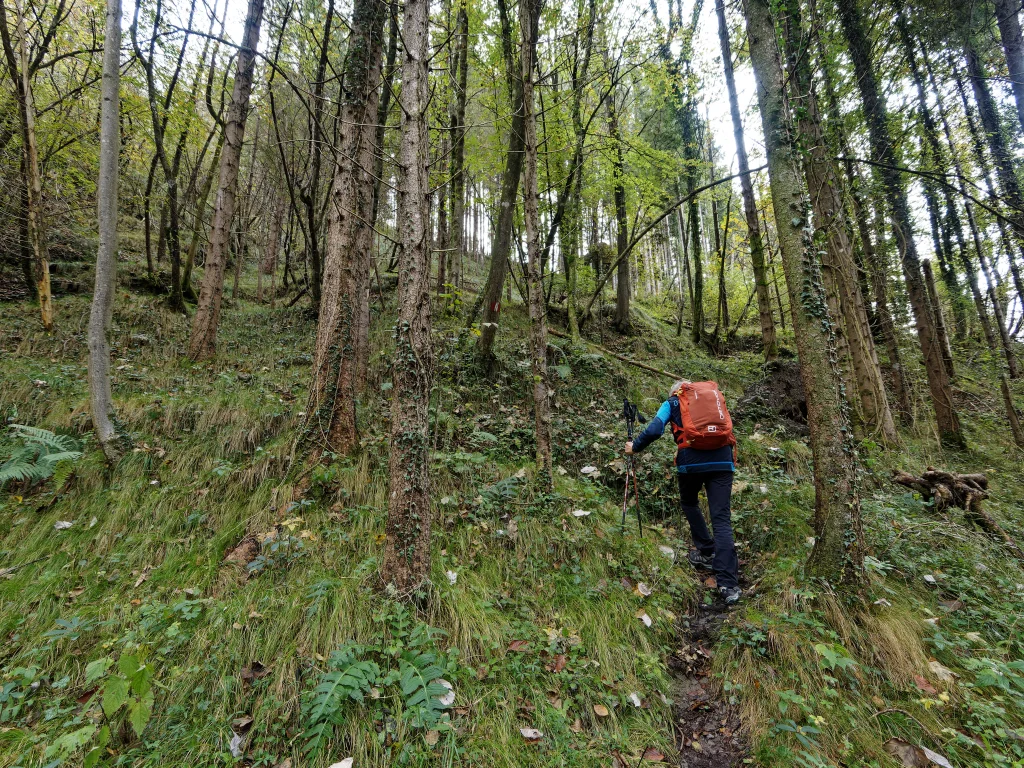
(924, 686)
(601, 710)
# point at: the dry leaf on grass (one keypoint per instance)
(924, 686)
(652, 755)
(346, 763)
(601, 710)
(531, 734)
(913, 756)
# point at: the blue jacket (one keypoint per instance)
(687, 459)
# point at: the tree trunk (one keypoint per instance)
(622, 281)
(244, 215)
(883, 152)
(202, 343)
(458, 125)
(406, 563)
(18, 65)
(112, 441)
(1007, 16)
(269, 264)
(940, 322)
(501, 237)
(199, 226)
(764, 302)
(528, 19)
(838, 551)
(331, 423)
(841, 269)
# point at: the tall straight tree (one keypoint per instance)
(202, 343)
(838, 553)
(840, 267)
(764, 301)
(104, 422)
(406, 563)
(501, 240)
(529, 13)
(883, 153)
(331, 423)
(460, 78)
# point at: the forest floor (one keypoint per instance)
(128, 607)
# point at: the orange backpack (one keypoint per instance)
(706, 421)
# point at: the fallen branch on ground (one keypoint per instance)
(606, 351)
(966, 492)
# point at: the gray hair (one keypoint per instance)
(677, 385)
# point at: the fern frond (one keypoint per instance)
(350, 678)
(44, 437)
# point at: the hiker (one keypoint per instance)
(709, 468)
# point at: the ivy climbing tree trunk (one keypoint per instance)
(838, 260)
(764, 301)
(528, 21)
(104, 421)
(331, 410)
(406, 563)
(883, 153)
(202, 343)
(838, 553)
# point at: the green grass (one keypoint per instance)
(140, 572)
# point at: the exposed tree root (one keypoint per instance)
(966, 492)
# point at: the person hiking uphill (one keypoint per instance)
(705, 458)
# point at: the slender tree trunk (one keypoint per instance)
(406, 563)
(622, 282)
(1008, 18)
(269, 264)
(384, 108)
(19, 67)
(202, 343)
(883, 152)
(501, 236)
(940, 322)
(112, 441)
(331, 423)
(528, 19)
(458, 125)
(243, 216)
(838, 552)
(764, 303)
(199, 226)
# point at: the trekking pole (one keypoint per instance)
(631, 414)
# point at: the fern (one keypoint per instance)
(418, 673)
(349, 678)
(40, 454)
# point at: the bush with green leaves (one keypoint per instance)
(41, 455)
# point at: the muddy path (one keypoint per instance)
(708, 731)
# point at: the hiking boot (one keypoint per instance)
(697, 560)
(730, 595)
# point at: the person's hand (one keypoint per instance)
(629, 448)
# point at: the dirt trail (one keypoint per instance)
(707, 728)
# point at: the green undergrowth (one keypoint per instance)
(137, 632)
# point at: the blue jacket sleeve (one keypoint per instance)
(655, 428)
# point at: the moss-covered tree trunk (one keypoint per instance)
(1008, 19)
(406, 563)
(838, 552)
(331, 410)
(623, 291)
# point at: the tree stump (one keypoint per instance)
(966, 492)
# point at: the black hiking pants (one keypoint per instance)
(721, 547)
